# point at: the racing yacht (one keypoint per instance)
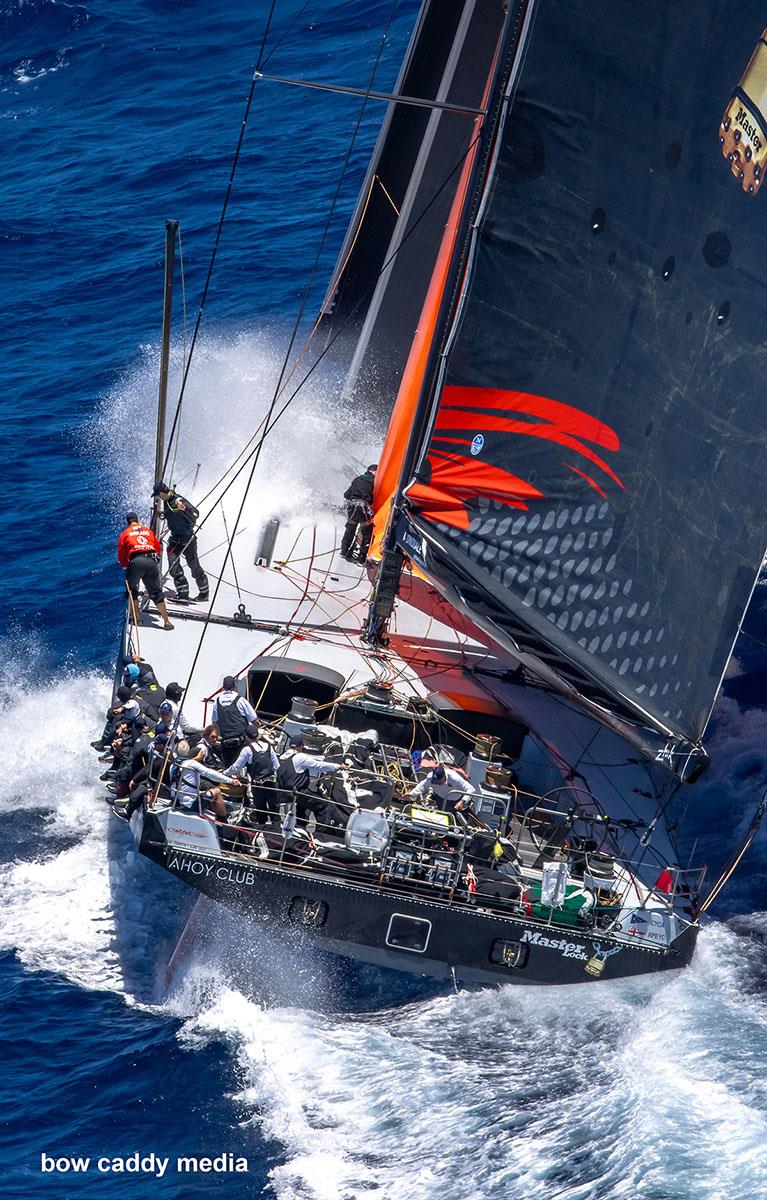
(554, 265)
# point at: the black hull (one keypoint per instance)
(357, 922)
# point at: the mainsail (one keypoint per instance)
(588, 445)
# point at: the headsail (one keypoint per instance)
(408, 190)
(591, 482)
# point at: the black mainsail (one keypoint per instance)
(590, 442)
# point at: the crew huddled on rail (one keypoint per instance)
(326, 798)
(151, 751)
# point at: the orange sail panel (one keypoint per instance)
(398, 434)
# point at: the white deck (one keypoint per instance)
(311, 605)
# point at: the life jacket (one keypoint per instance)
(231, 722)
(180, 521)
(137, 539)
(289, 778)
(260, 765)
(150, 698)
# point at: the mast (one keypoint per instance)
(171, 230)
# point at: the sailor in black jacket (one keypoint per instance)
(359, 508)
(180, 516)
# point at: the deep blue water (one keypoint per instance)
(114, 117)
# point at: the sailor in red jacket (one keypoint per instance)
(138, 550)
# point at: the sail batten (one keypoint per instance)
(593, 460)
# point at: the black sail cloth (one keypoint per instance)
(595, 464)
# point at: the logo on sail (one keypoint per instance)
(456, 478)
(743, 130)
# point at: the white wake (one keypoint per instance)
(651, 1090)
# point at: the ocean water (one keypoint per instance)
(332, 1081)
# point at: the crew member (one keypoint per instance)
(175, 693)
(180, 517)
(124, 707)
(450, 788)
(233, 714)
(258, 760)
(300, 773)
(138, 551)
(359, 509)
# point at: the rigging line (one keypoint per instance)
(389, 97)
(212, 262)
(385, 191)
(133, 604)
(752, 638)
(183, 342)
(326, 350)
(289, 30)
(234, 568)
(321, 591)
(334, 202)
(330, 618)
(335, 281)
(610, 783)
(334, 338)
(265, 35)
(751, 833)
